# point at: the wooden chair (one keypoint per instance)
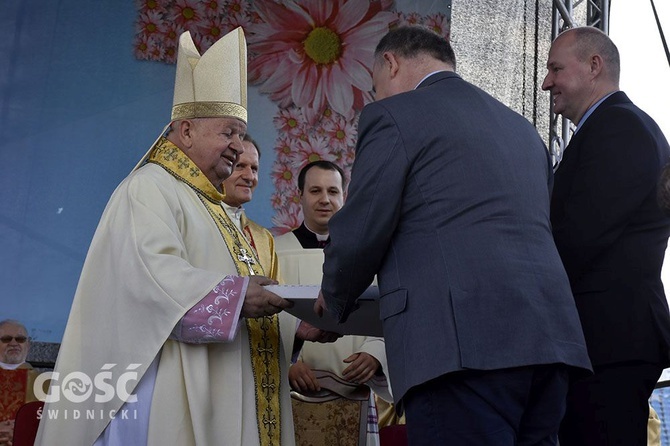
(334, 416)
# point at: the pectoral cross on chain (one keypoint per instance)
(243, 257)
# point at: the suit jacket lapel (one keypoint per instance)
(570, 155)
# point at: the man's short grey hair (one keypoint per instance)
(13, 322)
(411, 41)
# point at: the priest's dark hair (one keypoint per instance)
(321, 164)
(248, 138)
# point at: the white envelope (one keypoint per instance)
(363, 321)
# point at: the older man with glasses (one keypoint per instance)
(15, 380)
(14, 345)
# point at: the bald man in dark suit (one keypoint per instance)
(612, 237)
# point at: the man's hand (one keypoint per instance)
(320, 305)
(259, 302)
(362, 367)
(302, 379)
(308, 332)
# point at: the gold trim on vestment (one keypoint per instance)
(261, 240)
(264, 336)
(192, 110)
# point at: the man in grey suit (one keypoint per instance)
(449, 205)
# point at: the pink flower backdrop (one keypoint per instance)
(312, 58)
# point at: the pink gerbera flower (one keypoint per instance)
(348, 158)
(156, 50)
(212, 29)
(151, 5)
(316, 53)
(277, 200)
(285, 146)
(283, 176)
(213, 8)
(314, 149)
(189, 14)
(143, 46)
(290, 120)
(170, 53)
(413, 18)
(293, 196)
(171, 33)
(236, 7)
(244, 20)
(150, 23)
(439, 23)
(341, 132)
(288, 218)
(170, 40)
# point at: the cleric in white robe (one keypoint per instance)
(358, 359)
(170, 296)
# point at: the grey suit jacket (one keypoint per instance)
(449, 205)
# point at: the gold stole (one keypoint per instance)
(264, 336)
(263, 243)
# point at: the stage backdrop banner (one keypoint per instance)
(85, 88)
(311, 59)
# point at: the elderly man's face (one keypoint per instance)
(216, 144)
(14, 344)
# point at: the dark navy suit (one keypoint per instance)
(612, 236)
(449, 205)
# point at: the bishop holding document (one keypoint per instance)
(449, 205)
(170, 311)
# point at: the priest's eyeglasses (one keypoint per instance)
(8, 339)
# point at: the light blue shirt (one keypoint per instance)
(590, 111)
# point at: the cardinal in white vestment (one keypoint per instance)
(172, 338)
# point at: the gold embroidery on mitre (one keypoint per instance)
(192, 110)
(264, 335)
(213, 84)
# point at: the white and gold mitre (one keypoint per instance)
(212, 85)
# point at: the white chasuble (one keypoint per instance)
(156, 253)
(300, 266)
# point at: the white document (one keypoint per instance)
(363, 321)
